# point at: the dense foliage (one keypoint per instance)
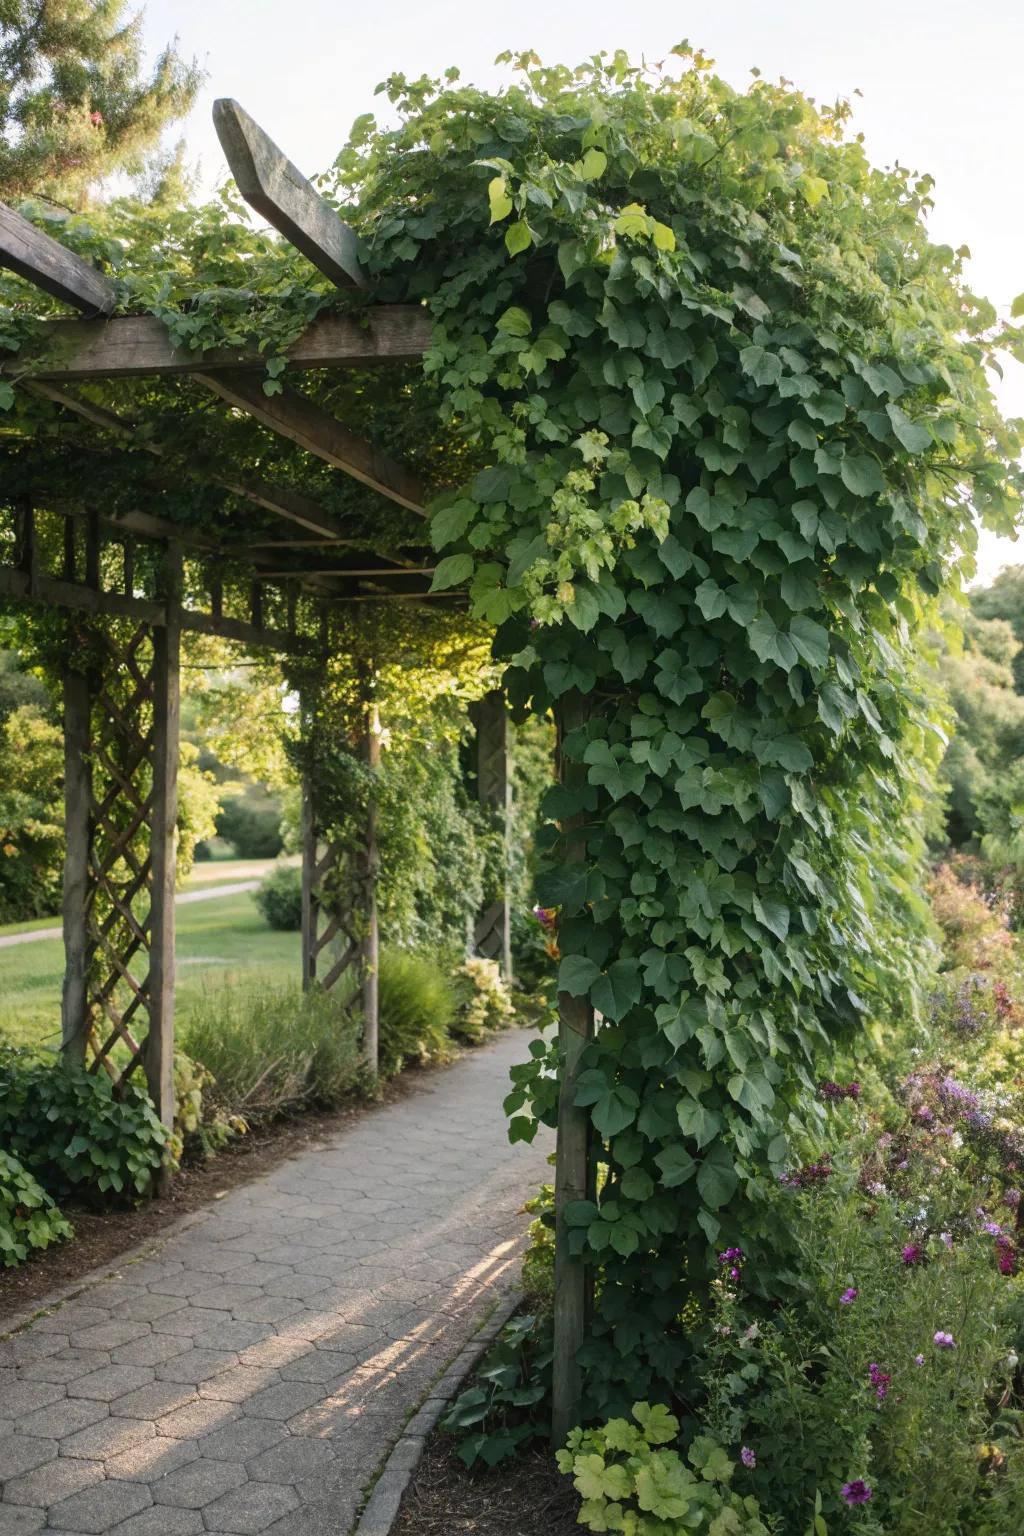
(29, 1220)
(279, 897)
(74, 104)
(733, 410)
(68, 1128)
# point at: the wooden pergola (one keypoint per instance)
(158, 575)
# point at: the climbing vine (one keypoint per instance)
(733, 411)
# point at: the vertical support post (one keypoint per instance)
(309, 863)
(159, 1048)
(75, 1020)
(370, 955)
(575, 1029)
(493, 929)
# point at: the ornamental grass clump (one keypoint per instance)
(727, 420)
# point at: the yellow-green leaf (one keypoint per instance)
(518, 237)
(814, 188)
(1017, 308)
(664, 237)
(595, 163)
(501, 203)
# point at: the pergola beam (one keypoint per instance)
(47, 264)
(137, 346)
(316, 431)
(277, 189)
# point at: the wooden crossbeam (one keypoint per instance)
(277, 189)
(136, 346)
(315, 430)
(47, 264)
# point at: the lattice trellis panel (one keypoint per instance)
(331, 941)
(121, 745)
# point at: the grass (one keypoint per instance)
(222, 942)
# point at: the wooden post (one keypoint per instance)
(575, 1030)
(75, 1020)
(309, 862)
(493, 929)
(370, 957)
(159, 1047)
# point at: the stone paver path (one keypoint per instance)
(251, 1374)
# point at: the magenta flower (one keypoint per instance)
(944, 1340)
(912, 1253)
(880, 1381)
(748, 1457)
(856, 1492)
(849, 1296)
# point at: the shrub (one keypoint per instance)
(630, 1480)
(66, 1126)
(417, 1006)
(29, 1219)
(279, 897)
(506, 1403)
(482, 1000)
(275, 1050)
(201, 1124)
(251, 822)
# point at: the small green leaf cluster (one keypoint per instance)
(505, 1404)
(29, 1219)
(630, 1480)
(68, 1128)
(733, 412)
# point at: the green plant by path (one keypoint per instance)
(29, 1219)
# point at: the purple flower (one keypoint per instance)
(748, 1457)
(849, 1296)
(912, 1254)
(1012, 1197)
(993, 1229)
(856, 1492)
(943, 1340)
(880, 1381)
(919, 1359)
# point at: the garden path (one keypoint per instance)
(250, 1375)
(183, 899)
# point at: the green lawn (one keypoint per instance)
(220, 942)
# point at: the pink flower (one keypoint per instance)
(748, 1457)
(856, 1492)
(96, 118)
(849, 1296)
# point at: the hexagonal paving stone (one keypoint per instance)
(152, 1401)
(21, 1398)
(107, 1438)
(18, 1521)
(54, 1480)
(64, 1418)
(195, 1365)
(287, 1462)
(198, 1484)
(152, 1349)
(282, 1401)
(266, 1309)
(147, 1306)
(239, 1383)
(97, 1510)
(198, 1417)
(191, 1321)
(111, 1381)
(250, 1509)
(20, 1453)
(161, 1520)
(66, 1366)
(109, 1335)
(152, 1461)
(230, 1335)
(242, 1439)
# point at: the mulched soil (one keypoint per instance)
(101, 1237)
(526, 1496)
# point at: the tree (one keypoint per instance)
(75, 106)
(984, 765)
(1004, 599)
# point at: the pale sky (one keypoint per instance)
(940, 83)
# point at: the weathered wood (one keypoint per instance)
(493, 929)
(159, 1047)
(315, 430)
(77, 798)
(309, 905)
(277, 189)
(48, 265)
(575, 1029)
(370, 946)
(55, 593)
(138, 346)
